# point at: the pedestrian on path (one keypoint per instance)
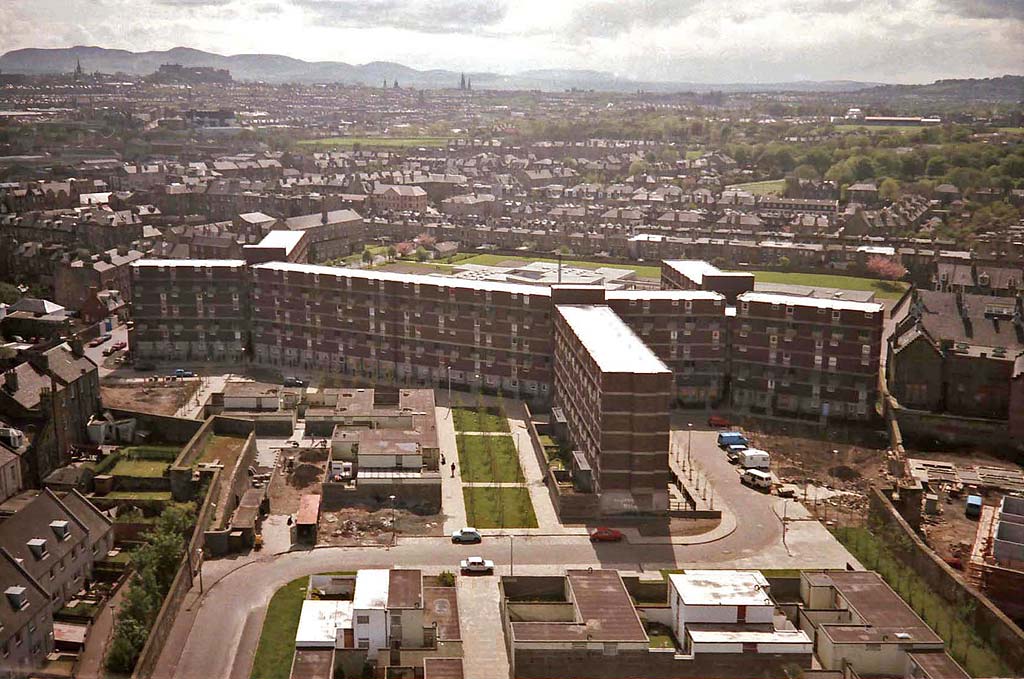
(442, 459)
(453, 470)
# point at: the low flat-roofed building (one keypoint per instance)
(279, 246)
(856, 619)
(587, 626)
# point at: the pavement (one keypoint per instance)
(483, 645)
(208, 385)
(452, 500)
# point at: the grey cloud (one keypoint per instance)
(985, 9)
(609, 18)
(437, 16)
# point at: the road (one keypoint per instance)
(218, 634)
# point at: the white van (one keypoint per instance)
(755, 478)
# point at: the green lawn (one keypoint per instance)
(141, 495)
(693, 155)
(277, 640)
(881, 128)
(488, 459)
(660, 635)
(165, 453)
(499, 507)
(140, 468)
(883, 289)
(1011, 130)
(379, 142)
(480, 419)
(976, 656)
(495, 260)
(772, 186)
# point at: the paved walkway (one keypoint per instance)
(210, 384)
(483, 644)
(453, 504)
(90, 662)
(547, 517)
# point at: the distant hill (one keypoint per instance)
(275, 68)
(1007, 88)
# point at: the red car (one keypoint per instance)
(718, 421)
(606, 535)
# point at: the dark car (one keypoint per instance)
(293, 382)
(605, 534)
(719, 421)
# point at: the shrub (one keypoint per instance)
(446, 579)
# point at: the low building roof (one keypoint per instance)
(372, 586)
(721, 588)
(320, 621)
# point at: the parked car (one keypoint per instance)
(731, 438)
(118, 346)
(181, 372)
(719, 421)
(605, 534)
(293, 382)
(756, 478)
(467, 536)
(476, 564)
(99, 340)
(110, 351)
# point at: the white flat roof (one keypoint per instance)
(776, 637)
(320, 620)
(722, 588)
(611, 343)
(436, 281)
(694, 269)
(663, 294)
(282, 239)
(794, 300)
(198, 263)
(372, 585)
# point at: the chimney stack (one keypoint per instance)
(11, 380)
(323, 210)
(77, 349)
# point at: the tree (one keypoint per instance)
(392, 252)
(9, 294)
(886, 268)
(638, 167)
(889, 189)
(367, 256)
(421, 254)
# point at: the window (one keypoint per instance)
(364, 643)
(362, 620)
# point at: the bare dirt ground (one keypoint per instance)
(159, 398)
(355, 526)
(305, 478)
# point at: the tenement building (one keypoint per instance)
(615, 394)
(190, 309)
(783, 355)
(806, 357)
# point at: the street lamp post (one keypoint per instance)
(511, 556)
(394, 526)
(689, 439)
(449, 391)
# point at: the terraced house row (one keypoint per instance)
(768, 353)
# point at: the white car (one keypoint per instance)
(466, 536)
(476, 564)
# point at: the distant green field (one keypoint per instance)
(772, 186)
(1011, 130)
(494, 260)
(881, 128)
(377, 142)
(883, 289)
(693, 155)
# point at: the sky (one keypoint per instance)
(713, 41)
